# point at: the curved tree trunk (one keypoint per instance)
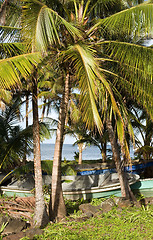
(40, 217)
(125, 187)
(57, 206)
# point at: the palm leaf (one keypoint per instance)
(11, 49)
(75, 113)
(129, 21)
(44, 24)
(89, 74)
(136, 63)
(5, 96)
(9, 33)
(84, 65)
(104, 7)
(12, 69)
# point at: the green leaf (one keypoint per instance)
(45, 25)
(12, 69)
(135, 21)
(136, 72)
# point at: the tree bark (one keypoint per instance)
(148, 138)
(27, 123)
(103, 151)
(3, 12)
(80, 145)
(43, 111)
(125, 187)
(57, 206)
(40, 216)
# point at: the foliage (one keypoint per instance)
(67, 168)
(76, 156)
(73, 206)
(2, 229)
(97, 201)
(13, 138)
(143, 126)
(78, 40)
(131, 223)
(79, 44)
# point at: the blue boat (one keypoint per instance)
(135, 168)
(138, 168)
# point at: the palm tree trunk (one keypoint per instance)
(125, 188)
(148, 138)
(103, 151)
(3, 12)
(27, 123)
(43, 111)
(80, 145)
(27, 106)
(40, 216)
(57, 206)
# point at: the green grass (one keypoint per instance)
(131, 223)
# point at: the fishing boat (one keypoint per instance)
(95, 186)
(143, 187)
(74, 187)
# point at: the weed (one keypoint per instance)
(73, 206)
(127, 224)
(2, 229)
(97, 201)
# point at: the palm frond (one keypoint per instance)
(12, 69)
(11, 49)
(84, 64)
(5, 96)
(44, 24)
(136, 63)
(135, 21)
(104, 8)
(9, 33)
(75, 113)
(89, 74)
(44, 131)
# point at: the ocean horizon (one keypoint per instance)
(68, 153)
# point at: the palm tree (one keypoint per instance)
(76, 41)
(75, 55)
(12, 138)
(143, 126)
(21, 66)
(77, 128)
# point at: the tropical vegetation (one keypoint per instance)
(91, 46)
(15, 142)
(129, 223)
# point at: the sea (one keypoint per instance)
(68, 153)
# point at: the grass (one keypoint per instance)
(118, 224)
